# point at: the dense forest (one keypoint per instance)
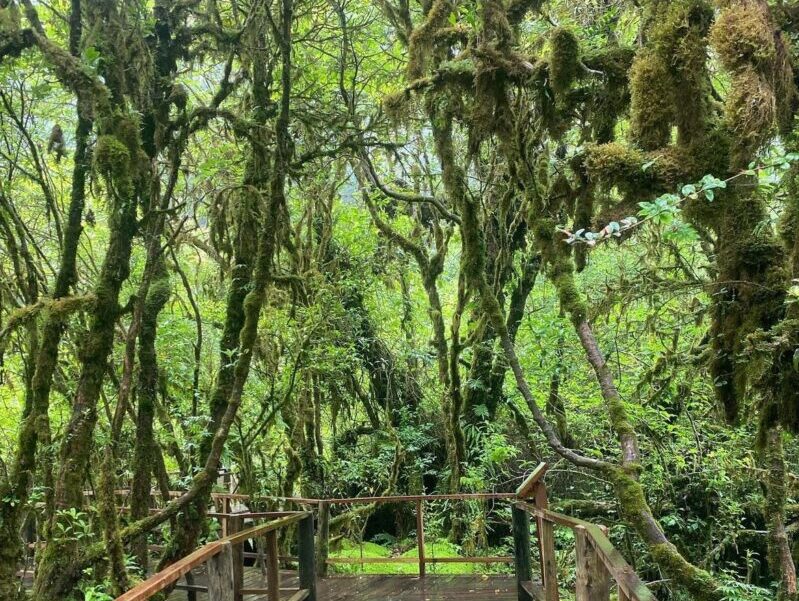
(340, 248)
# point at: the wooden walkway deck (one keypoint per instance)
(383, 587)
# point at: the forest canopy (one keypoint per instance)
(342, 248)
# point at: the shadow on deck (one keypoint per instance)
(379, 587)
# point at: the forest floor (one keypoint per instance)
(374, 587)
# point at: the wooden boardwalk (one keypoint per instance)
(382, 587)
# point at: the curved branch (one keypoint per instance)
(404, 197)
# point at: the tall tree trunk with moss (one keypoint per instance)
(34, 435)
(116, 156)
(145, 450)
(781, 563)
(14, 487)
(274, 174)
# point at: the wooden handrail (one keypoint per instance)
(158, 582)
(598, 561)
(527, 487)
(171, 574)
(488, 496)
(256, 531)
(623, 574)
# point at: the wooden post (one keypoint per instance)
(220, 575)
(527, 488)
(623, 596)
(272, 567)
(420, 536)
(593, 579)
(225, 509)
(190, 595)
(546, 545)
(323, 539)
(521, 550)
(234, 525)
(306, 555)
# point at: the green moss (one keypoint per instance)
(617, 165)
(517, 9)
(564, 62)
(652, 111)
(111, 156)
(763, 94)
(750, 112)
(422, 39)
(699, 582)
(9, 19)
(743, 37)
(668, 80)
(560, 269)
(395, 105)
(610, 97)
(159, 293)
(544, 99)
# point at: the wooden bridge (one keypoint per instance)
(217, 572)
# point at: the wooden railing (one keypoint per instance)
(598, 561)
(419, 501)
(224, 561)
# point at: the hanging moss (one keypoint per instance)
(495, 25)
(685, 46)
(763, 94)
(743, 37)
(564, 63)
(517, 9)
(111, 156)
(651, 101)
(750, 111)
(544, 100)
(750, 295)
(609, 97)
(560, 270)
(668, 80)
(617, 165)
(422, 39)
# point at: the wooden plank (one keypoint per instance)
(546, 541)
(525, 490)
(220, 575)
(254, 515)
(592, 580)
(420, 536)
(272, 567)
(225, 509)
(533, 590)
(300, 595)
(521, 548)
(192, 588)
(173, 573)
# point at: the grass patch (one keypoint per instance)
(352, 550)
